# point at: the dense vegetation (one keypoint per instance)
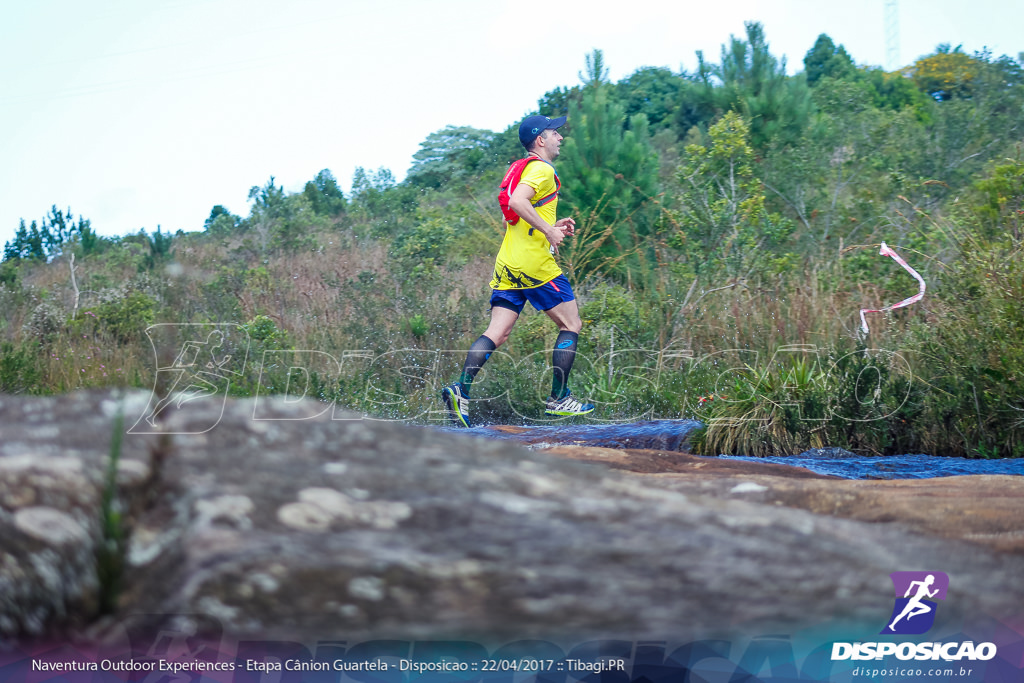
(729, 223)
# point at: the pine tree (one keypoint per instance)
(753, 83)
(825, 59)
(609, 170)
(606, 164)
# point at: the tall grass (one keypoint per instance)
(773, 364)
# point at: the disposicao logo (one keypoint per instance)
(916, 593)
(913, 613)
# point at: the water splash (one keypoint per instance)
(660, 434)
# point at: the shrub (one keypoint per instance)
(19, 369)
(795, 402)
(45, 322)
(124, 313)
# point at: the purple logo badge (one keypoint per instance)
(916, 593)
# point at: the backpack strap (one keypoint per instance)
(515, 174)
(558, 183)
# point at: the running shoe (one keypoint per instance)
(457, 403)
(567, 405)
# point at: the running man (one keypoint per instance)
(525, 270)
(914, 606)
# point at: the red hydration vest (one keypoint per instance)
(511, 180)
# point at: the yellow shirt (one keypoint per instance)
(524, 260)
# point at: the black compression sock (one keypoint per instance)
(478, 354)
(561, 360)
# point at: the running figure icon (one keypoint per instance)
(915, 606)
(194, 379)
(916, 594)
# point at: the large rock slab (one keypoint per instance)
(304, 528)
(985, 509)
(54, 458)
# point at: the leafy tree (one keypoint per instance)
(451, 156)
(812, 179)
(281, 220)
(420, 249)
(977, 114)
(324, 195)
(556, 102)
(363, 183)
(652, 91)
(9, 272)
(506, 148)
(724, 226)
(125, 313)
(151, 249)
(695, 109)
(268, 200)
(222, 221)
(851, 164)
(999, 85)
(380, 201)
(825, 59)
(998, 201)
(946, 74)
(894, 91)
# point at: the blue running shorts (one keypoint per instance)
(546, 296)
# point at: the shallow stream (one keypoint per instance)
(672, 435)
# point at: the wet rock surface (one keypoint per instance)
(984, 510)
(302, 527)
(670, 435)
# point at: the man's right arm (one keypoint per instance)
(520, 202)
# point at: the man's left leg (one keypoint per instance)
(567, 316)
(456, 396)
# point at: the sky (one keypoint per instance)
(147, 113)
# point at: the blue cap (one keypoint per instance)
(532, 126)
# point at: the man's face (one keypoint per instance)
(552, 141)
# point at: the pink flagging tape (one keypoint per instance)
(886, 251)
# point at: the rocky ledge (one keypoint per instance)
(984, 510)
(299, 526)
